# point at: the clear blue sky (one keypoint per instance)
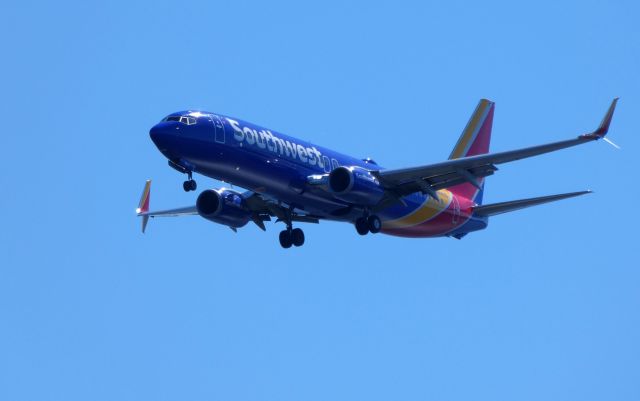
(541, 306)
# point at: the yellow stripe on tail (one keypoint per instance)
(471, 131)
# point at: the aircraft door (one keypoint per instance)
(218, 128)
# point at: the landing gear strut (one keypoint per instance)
(370, 224)
(190, 184)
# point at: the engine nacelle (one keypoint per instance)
(355, 185)
(223, 206)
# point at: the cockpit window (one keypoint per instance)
(188, 120)
(182, 119)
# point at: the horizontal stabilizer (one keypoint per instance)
(504, 207)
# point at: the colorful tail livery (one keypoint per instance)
(294, 181)
(476, 137)
(475, 140)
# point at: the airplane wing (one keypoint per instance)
(432, 177)
(261, 208)
(182, 211)
(510, 206)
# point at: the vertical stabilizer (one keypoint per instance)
(474, 140)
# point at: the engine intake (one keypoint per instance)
(223, 206)
(341, 180)
(355, 185)
(209, 203)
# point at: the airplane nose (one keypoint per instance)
(159, 136)
(154, 133)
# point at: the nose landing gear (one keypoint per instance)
(185, 168)
(190, 184)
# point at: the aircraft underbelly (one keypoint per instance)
(421, 216)
(276, 179)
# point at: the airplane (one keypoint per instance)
(295, 181)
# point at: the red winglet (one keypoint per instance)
(604, 125)
(143, 206)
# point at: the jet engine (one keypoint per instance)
(223, 206)
(355, 185)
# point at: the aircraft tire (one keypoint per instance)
(297, 237)
(362, 226)
(285, 239)
(374, 223)
(189, 185)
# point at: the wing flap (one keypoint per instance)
(440, 181)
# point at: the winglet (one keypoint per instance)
(143, 206)
(606, 121)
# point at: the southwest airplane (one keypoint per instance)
(295, 181)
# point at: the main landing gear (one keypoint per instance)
(190, 184)
(291, 237)
(371, 224)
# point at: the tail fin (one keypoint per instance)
(475, 140)
(143, 206)
(477, 134)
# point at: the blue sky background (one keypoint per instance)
(541, 306)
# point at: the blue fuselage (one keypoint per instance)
(264, 161)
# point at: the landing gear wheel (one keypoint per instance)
(374, 223)
(362, 226)
(189, 185)
(297, 237)
(285, 239)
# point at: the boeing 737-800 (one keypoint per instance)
(295, 181)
